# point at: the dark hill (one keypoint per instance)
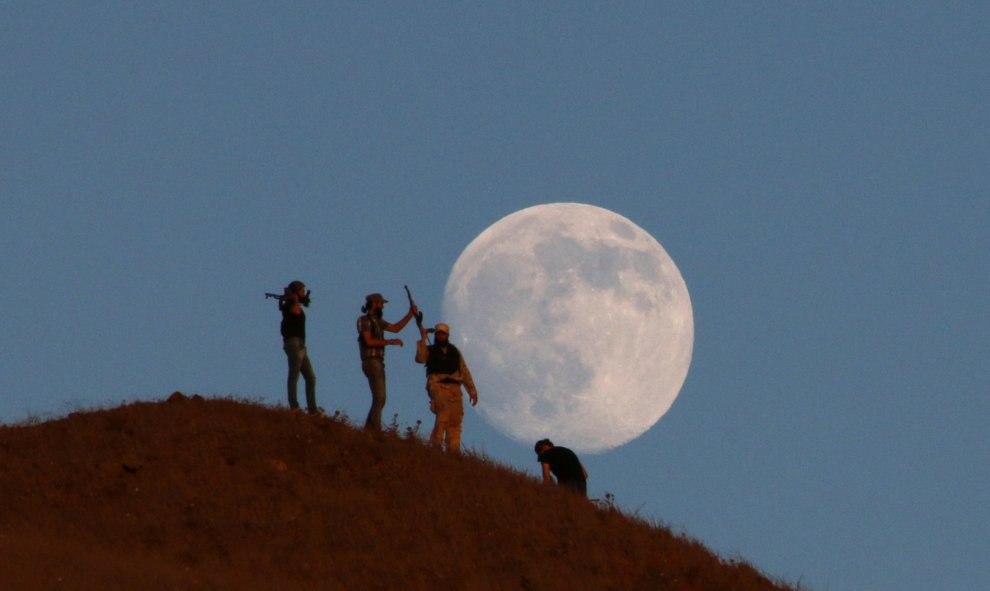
(222, 494)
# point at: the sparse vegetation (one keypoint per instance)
(197, 493)
(407, 432)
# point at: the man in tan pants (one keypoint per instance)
(446, 372)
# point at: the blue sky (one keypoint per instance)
(818, 171)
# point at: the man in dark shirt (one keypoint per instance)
(564, 464)
(293, 330)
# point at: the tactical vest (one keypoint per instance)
(443, 363)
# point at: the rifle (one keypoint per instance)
(303, 300)
(419, 314)
(424, 341)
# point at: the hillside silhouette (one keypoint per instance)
(194, 493)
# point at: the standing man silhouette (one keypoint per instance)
(293, 329)
(446, 372)
(371, 328)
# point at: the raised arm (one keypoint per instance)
(422, 352)
(290, 302)
(398, 326)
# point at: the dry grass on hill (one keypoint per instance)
(223, 494)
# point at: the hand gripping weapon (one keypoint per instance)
(419, 321)
(419, 314)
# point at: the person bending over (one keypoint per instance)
(564, 465)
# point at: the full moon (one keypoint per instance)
(575, 324)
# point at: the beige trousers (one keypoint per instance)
(447, 403)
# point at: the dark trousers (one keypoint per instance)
(374, 370)
(295, 351)
(578, 486)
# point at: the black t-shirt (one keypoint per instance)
(564, 465)
(293, 325)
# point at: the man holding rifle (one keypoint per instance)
(293, 329)
(371, 329)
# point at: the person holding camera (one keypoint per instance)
(293, 330)
(371, 327)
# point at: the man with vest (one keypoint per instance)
(293, 329)
(446, 373)
(371, 329)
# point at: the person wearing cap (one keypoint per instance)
(562, 463)
(446, 373)
(371, 327)
(293, 329)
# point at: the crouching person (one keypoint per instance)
(562, 463)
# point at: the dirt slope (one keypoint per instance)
(223, 494)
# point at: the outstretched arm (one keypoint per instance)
(371, 341)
